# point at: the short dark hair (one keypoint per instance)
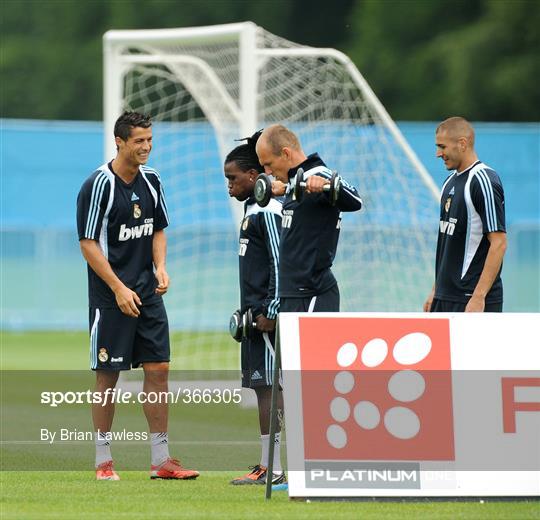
(457, 127)
(278, 137)
(129, 120)
(245, 156)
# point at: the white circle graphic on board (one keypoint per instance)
(402, 422)
(374, 352)
(347, 354)
(366, 415)
(412, 348)
(406, 386)
(336, 435)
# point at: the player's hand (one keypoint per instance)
(428, 302)
(163, 281)
(278, 188)
(128, 301)
(475, 304)
(314, 184)
(264, 324)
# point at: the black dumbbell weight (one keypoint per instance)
(235, 326)
(249, 325)
(263, 190)
(332, 188)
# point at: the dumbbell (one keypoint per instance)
(333, 188)
(235, 325)
(242, 325)
(249, 325)
(263, 190)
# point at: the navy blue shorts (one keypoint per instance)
(447, 306)
(258, 359)
(326, 302)
(119, 342)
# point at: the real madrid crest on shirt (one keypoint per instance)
(137, 212)
(103, 356)
(449, 199)
(245, 223)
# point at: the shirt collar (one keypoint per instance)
(469, 168)
(249, 202)
(311, 161)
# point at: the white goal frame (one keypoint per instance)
(205, 87)
(251, 59)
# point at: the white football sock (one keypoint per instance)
(103, 447)
(160, 447)
(265, 443)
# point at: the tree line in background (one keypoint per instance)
(425, 59)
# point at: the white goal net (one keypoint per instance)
(205, 87)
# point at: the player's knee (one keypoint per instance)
(156, 373)
(264, 393)
(106, 379)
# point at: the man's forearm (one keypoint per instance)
(159, 249)
(99, 264)
(492, 266)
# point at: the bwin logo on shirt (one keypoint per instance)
(127, 233)
(447, 227)
(243, 246)
(286, 220)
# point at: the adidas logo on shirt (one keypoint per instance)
(134, 196)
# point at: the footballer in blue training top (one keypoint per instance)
(121, 217)
(258, 255)
(472, 233)
(310, 226)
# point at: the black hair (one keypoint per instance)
(244, 155)
(129, 120)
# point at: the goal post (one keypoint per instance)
(205, 87)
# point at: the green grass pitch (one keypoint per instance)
(58, 495)
(218, 437)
